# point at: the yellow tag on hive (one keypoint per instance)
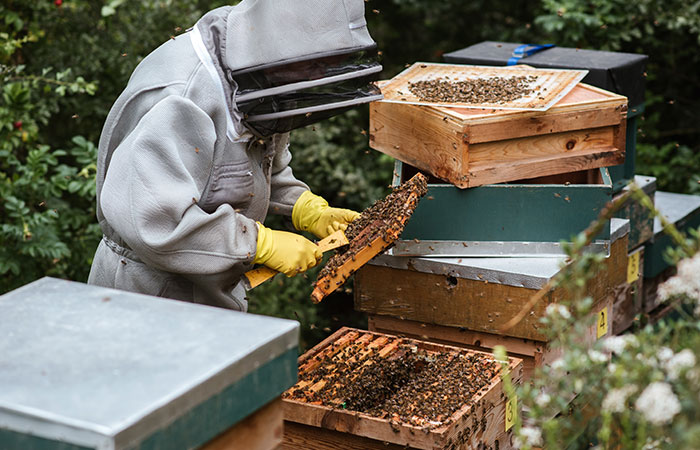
(511, 411)
(633, 267)
(602, 323)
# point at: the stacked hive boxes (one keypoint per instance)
(624, 74)
(469, 259)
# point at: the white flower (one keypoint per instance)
(664, 354)
(615, 399)
(680, 361)
(612, 367)
(543, 399)
(596, 356)
(558, 366)
(693, 376)
(617, 344)
(652, 444)
(555, 308)
(532, 435)
(686, 281)
(658, 404)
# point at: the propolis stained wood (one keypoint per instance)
(479, 420)
(471, 147)
(480, 294)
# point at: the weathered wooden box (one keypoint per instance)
(466, 301)
(622, 73)
(85, 367)
(481, 421)
(472, 147)
(628, 301)
(641, 219)
(527, 218)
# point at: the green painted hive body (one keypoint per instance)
(504, 219)
(641, 219)
(86, 367)
(684, 212)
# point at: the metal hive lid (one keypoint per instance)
(531, 273)
(103, 368)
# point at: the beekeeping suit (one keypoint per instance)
(195, 151)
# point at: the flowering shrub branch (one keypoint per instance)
(638, 390)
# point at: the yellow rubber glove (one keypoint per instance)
(312, 213)
(285, 252)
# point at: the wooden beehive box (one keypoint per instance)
(466, 301)
(471, 147)
(112, 369)
(479, 423)
(628, 301)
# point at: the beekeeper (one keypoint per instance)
(195, 151)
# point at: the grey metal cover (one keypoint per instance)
(674, 207)
(530, 273)
(101, 368)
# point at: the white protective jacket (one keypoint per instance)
(180, 180)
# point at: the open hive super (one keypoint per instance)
(397, 391)
(469, 146)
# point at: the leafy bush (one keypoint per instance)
(638, 390)
(47, 213)
(669, 32)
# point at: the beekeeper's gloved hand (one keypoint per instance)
(312, 213)
(285, 252)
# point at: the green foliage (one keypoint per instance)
(47, 225)
(333, 157)
(638, 390)
(669, 32)
(48, 53)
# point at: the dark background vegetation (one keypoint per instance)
(63, 63)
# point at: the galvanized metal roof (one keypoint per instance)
(528, 272)
(105, 368)
(674, 207)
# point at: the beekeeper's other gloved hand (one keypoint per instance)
(312, 213)
(285, 252)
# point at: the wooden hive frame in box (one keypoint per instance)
(471, 147)
(481, 421)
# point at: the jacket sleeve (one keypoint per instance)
(285, 189)
(150, 194)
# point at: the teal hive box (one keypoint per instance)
(641, 219)
(85, 367)
(515, 219)
(683, 211)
